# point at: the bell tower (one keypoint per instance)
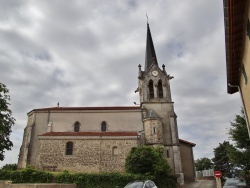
(159, 118)
(153, 82)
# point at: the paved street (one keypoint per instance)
(202, 184)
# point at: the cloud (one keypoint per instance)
(86, 53)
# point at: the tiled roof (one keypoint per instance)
(151, 115)
(90, 134)
(186, 142)
(235, 20)
(88, 108)
(102, 134)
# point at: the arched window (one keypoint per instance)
(168, 153)
(151, 89)
(154, 130)
(77, 127)
(160, 91)
(114, 151)
(104, 126)
(69, 148)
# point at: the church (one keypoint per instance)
(98, 139)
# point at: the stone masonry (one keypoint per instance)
(88, 155)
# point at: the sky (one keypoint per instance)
(86, 53)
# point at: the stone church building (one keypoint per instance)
(98, 139)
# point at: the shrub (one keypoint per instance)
(9, 167)
(27, 175)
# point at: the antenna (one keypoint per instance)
(147, 17)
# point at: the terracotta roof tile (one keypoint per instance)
(102, 134)
(234, 21)
(186, 142)
(90, 134)
(89, 108)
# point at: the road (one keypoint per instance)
(202, 184)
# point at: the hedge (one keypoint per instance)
(83, 180)
(100, 180)
(26, 175)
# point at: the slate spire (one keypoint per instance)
(150, 50)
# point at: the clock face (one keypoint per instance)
(154, 73)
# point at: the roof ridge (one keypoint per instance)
(89, 108)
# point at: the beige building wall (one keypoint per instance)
(90, 120)
(245, 69)
(187, 160)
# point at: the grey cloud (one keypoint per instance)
(11, 12)
(87, 54)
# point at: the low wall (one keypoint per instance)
(206, 178)
(204, 173)
(8, 184)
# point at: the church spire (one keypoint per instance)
(150, 50)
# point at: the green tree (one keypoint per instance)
(6, 121)
(240, 154)
(221, 159)
(203, 164)
(239, 133)
(149, 160)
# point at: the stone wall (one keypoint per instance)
(103, 155)
(8, 184)
(153, 131)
